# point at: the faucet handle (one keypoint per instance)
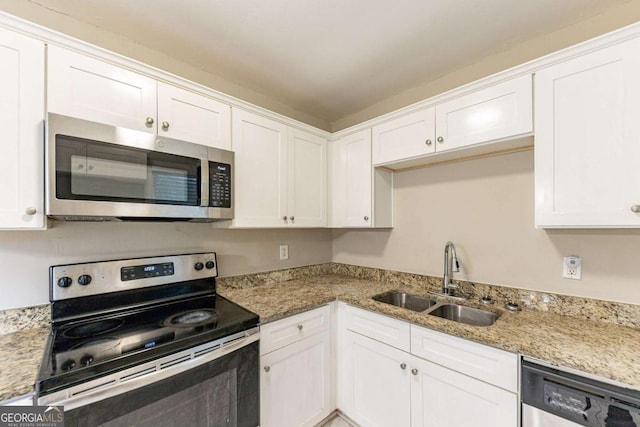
(455, 265)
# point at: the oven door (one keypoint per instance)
(217, 388)
(96, 170)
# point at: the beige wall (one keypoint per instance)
(25, 257)
(610, 20)
(486, 207)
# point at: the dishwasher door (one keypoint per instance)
(555, 398)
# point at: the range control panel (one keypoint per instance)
(92, 278)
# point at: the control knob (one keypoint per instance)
(68, 365)
(84, 280)
(65, 282)
(198, 266)
(209, 265)
(86, 360)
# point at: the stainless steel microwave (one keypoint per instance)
(97, 172)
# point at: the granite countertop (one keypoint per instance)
(603, 349)
(599, 348)
(20, 356)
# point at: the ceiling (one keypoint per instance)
(329, 58)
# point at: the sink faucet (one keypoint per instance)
(451, 265)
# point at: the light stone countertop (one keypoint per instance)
(603, 349)
(20, 356)
(599, 348)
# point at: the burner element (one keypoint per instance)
(93, 328)
(190, 319)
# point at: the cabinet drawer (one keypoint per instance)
(283, 332)
(485, 363)
(395, 333)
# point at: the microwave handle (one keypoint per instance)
(204, 183)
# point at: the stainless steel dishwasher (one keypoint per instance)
(554, 398)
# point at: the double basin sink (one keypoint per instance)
(455, 312)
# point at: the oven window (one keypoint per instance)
(89, 170)
(221, 393)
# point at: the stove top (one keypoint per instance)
(99, 334)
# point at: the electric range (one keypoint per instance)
(118, 321)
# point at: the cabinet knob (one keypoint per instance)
(30, 211)
(635, 208)
(428, 142)
(165, 125)
(440, 139)
(366, 218)
(267, 368)
(293, 218)
(300, 327)
(284, 218)
(414, 371)
(403, 366)
(149, 121)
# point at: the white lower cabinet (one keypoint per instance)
(442, 397)
(296, 379)
(375, 383)
(380, 385)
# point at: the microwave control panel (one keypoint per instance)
(219, 185)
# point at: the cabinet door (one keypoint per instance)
(295, 387)
(351, 180)
(191, 117)
(83, 87)
(501, 111)
(587, 133)
(405, 137)
(260, 147)
(441, 397)
(307, 179)
(375, 383)
(21, 120)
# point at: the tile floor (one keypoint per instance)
(337, 421)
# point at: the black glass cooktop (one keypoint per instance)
(85, 349)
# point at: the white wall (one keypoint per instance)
(486, 207)
(25, 257)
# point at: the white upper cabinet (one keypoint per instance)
(260, 190)
(361, 196)
(588, 140)
(87, 88)
(191, 117)
(22, 77)
(405, 137)
(280, 174)
(498, 113)
(307, 179)
(84, 87)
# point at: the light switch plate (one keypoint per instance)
(284, 252)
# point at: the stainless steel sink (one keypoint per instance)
(467, 315)
(404, 300)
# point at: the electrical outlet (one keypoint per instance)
(572, 267)
(284, 252)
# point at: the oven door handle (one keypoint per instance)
(147, 373)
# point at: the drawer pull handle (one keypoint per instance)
(428, 142)
(31, 211)
(300, 327)
(149, 121)
(635, 208)
(267, 368)
(440, 139)
(403, 366)
(165, 125)
(414, 371)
